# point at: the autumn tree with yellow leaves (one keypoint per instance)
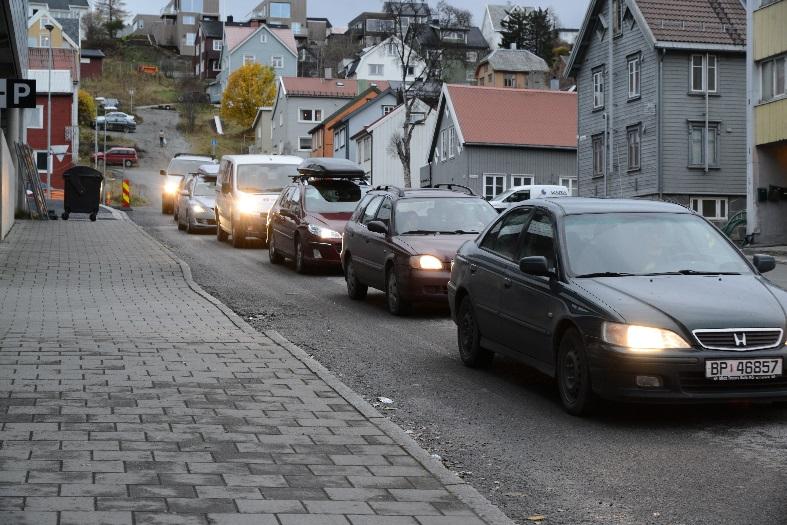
(250, 87)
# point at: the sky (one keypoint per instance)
(339, 12)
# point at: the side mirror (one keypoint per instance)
(764, 263)
(536, 265)
(163, 173)
(225, 187)
(378, 227)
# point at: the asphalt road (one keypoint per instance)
(503, 428)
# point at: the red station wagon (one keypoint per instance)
(118, 157)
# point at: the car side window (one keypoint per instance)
(539, 238)
(371, 210)
(503, 238)
(295, 200)
(384, 213)
(284, 198)
(358, 213)
(519, 196)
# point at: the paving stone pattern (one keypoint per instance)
(126, 397)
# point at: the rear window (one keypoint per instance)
(185, 166)
(335, 196)
(447, 215)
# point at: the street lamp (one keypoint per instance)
(49, 27)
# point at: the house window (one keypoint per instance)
(42, 22)
(43, 40)
(188, 20)
(634, 76)
(277, 62)
(309, 115)
(249, 59)
(217, 44)
(509, 80)
(304, 143)
(471, 56)
(521, 180)
(494, 185)
(710, 208)
(634, 146)
(451, 142)
(34, 118)
(190, 38)
(773, 73)
(454, 36)
(338, 139)
(387, 109)
(263, 37)
(617, 18)
(598, 89)
(215, 65)
(390, 49)
(703, 73)
(280, 10)
(444, 145)
(470, 76)
(296, 27)
(571, 184)
(410, 71)
(365, 149)
(701, 149)
(41, 161)
(376, 70)
(598, 155)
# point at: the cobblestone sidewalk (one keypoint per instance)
(130, 396)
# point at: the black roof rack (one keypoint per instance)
(451, 187)
(330, 168)
(390, 187)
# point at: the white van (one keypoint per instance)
(248, 185)
(522, 193)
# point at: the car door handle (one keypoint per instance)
(473, 268)
(506, 283)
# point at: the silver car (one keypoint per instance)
(196, 204)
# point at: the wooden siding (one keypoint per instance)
(727, 107)
(770, 30)
(771, 119)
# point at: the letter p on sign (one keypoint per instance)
(17, 93)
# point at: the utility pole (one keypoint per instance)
(49, 27)
(131, 92)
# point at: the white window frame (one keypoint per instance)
(35, 159)
(599, 91)
(713, 127)
(494, 177)
(444, 145)
(696, 205)
(391, 49)
(217, 45)
(509, 80)
(296, 27)
(300, 145)
(519, 180)
(249, 59)
(186, 18)
(216, 65)
(263, 37)
(39, 116)
(314, 112)
(190, 37)
(776, 63)
(42, 22)
(338, 139)
(570, 183)
(388, 108)
(272, 15)
(636, 133)
(277, 62)
(705, 73)
(634, 76)
(596, 139)
(43, 40)
(471, 56)
(375, 67)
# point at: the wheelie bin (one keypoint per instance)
(82, 191)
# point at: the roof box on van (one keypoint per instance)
(325, 167)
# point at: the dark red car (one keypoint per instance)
(307, 221)
(118, 157)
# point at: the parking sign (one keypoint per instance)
(17, 93)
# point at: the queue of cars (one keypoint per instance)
(615, 299)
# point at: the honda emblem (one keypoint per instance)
(740, 339)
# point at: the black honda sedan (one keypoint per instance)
(629, 300)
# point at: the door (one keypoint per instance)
(529, 303)
(223, 197)
(489, 268)
(379, 246)
(362, 253)
(289, 218)
(353, 232)
(276, 219)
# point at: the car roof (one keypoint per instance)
(421, 192)
(193, 157)
(583, 205)
(263, 159)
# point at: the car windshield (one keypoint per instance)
(617, 244)
(184, 167)
(333, 196)
(205, 188)
(503, 196)
(265, 178)
(447, 215)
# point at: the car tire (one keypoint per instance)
(356, 290)
(397, 305)
(190, 229)
(573, 375)
(238, 240)
(273, 254)
(181, 226)
(468, 336)
(301, 266)
(221, 235)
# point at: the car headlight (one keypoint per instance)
(323, 233)
(641, 338)
(170, 187)
(247, 204)
(426, 262)
(197, 208)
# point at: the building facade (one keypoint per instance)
(68, 13)
(329, 137)
(493, 139)
(91, 63)
(351, 123)
(370, 28)
(767, 200)
(289, 13)
(207, 50)
(262, 132)
(512, 68)
(666, 119)
(383, 62)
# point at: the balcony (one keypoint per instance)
(769, 23)
(771, 118)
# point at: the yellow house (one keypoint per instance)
(38, 35)
(767, 209)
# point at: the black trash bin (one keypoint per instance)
(82, 191)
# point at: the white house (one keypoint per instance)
(373, 146)
(494, 15)
(383, 62)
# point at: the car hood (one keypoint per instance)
(264, 201)
(444, 247)
(691, 301)
(335, 221)
(205, 201)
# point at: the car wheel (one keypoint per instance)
(393, 294)
(301, 266)
(355, 288)
(238, 239)
(573, 375)
(273, 253)
(469, 337)
(128, 163)
(181, 226)
(190, 224)
(221, 235)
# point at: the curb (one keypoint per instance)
(451, 481)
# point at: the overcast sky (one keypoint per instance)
(339, 12)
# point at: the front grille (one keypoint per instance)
(696, 382)
(739, 339)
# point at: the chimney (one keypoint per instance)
(554, 84)
(230, 19)
(513, 46)
(328, 73)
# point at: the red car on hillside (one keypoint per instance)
(118, 157)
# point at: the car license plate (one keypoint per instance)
(737, 369)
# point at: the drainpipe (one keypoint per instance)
(707, 108)
(751, 190)
(610, 89)
(660, 124)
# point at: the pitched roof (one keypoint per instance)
(321, 87)
(337, 116)
(696, 21)
(65, 4)
(498, 13)
(514, 117)
(234, 35)
(212, 28)
(91, 53)
(70, 27)
(515, 60)
(429, 36)
(286, 37)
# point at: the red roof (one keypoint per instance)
(320, 87)
(515, 117)
(696, 21)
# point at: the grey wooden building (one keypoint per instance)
(492, 139)
(662, 102)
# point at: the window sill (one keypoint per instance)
(598, 110)
(702, 94)
(634, 170)
(597, 176)
(695, 168)
(634, 98)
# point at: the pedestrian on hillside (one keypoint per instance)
(161, 140)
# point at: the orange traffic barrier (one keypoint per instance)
(126, 193)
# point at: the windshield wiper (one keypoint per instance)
(693, 272)
(419, 232)
(607, 274)
(463, 232)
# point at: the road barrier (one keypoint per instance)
(126, 193)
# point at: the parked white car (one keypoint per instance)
(522, 193)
